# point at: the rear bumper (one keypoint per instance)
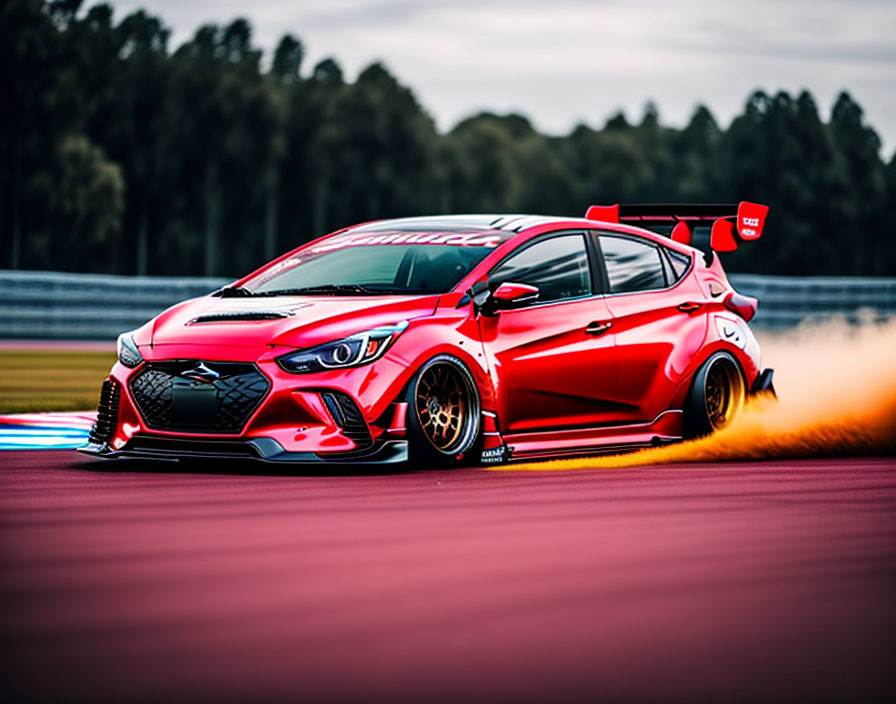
(261, 449)
(763, 386)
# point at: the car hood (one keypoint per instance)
(294, 321)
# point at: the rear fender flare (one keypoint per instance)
(747, 367)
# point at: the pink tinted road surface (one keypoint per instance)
(747, 582)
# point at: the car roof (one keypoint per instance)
(503, 227)
(463, 223)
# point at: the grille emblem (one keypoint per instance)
(201, 373)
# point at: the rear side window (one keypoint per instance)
(557, 266)
(679, 263)
(632, 265)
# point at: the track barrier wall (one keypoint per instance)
(48, 304)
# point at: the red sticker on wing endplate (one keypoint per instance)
(751, 220)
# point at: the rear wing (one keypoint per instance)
(731, 224)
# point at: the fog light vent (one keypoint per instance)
(348, 417)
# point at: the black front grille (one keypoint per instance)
(348, 417)
(106, 413)
(199, 397)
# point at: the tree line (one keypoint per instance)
(119, 155)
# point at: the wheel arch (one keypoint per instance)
(745, 365)
(697, 414)
(433, 338)
(470, 427)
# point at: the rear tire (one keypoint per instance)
(443, 419)
(716, 396)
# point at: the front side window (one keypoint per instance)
(631, 265)
(557, 266)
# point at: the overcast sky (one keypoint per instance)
(561, 62)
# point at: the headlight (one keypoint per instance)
(353, 351)
(128, 354)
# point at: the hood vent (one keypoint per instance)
(240, 316)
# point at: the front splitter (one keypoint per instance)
(260, 449)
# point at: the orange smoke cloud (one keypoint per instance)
(836, 387)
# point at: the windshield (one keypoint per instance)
(356, 266)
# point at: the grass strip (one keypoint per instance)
(51, 380)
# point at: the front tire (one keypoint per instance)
(716, 396)
(443, 413)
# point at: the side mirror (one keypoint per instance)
(510, 295)
(507, 296)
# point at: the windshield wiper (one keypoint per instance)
(385, 290)
(326, 290)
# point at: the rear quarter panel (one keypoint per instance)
(656, 345)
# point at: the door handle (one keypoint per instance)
(689, 307)
(597, 328)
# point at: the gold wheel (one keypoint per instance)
(442, 403)
(723, 392)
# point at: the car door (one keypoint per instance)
(658, 322)
(553, 361)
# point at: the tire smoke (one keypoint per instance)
(836, 385)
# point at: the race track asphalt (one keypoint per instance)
(750, 582)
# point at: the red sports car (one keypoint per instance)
(447, 339)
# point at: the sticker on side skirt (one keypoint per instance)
(495, 455)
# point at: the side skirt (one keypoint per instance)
(665, 429)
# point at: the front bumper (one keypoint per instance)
(355, 416)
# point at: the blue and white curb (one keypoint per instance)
(45, 431)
